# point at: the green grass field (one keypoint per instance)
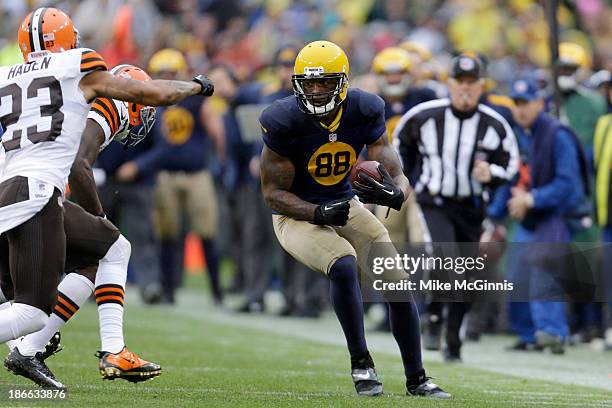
(210, 359)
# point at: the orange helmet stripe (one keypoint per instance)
(36, 29)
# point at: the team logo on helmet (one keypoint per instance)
(313, 71)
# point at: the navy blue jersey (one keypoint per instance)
(323, 157)
(395, 110)
(184, 136)
(273, 96)
(180, 141)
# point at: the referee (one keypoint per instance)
(452, 150)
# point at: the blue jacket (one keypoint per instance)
(556, 166)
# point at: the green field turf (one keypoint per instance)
(215, 362)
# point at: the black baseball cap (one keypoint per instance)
(467, 64)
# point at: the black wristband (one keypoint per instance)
(318, 218)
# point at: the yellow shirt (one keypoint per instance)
(603, 166)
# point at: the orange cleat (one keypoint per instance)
(126, 365)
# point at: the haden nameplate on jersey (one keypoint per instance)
(35, 65)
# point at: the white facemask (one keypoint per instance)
(394, 90)
(328, 107)
(321, 110)
(567, 82)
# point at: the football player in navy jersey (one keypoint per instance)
(312, 141)
(393, 67)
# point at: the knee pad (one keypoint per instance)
(28, 319)
(113, 267)
(118, 252)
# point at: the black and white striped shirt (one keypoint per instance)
(445, 143)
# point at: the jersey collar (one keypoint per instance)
(335, 123)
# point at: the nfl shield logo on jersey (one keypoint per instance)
(333, 137)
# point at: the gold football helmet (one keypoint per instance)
(168, 60)
(322, 62)
(392, 67)
(572, 54)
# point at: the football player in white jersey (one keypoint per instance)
(44, 104)
(108, 120)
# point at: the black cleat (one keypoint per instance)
(366, 380)
(32, 368)
(52, 347)
(426, 388)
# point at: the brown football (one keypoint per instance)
(368, 167)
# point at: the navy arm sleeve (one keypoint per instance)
(274, 133)
(373, 108)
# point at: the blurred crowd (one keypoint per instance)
(246, 33)
(198, 170)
